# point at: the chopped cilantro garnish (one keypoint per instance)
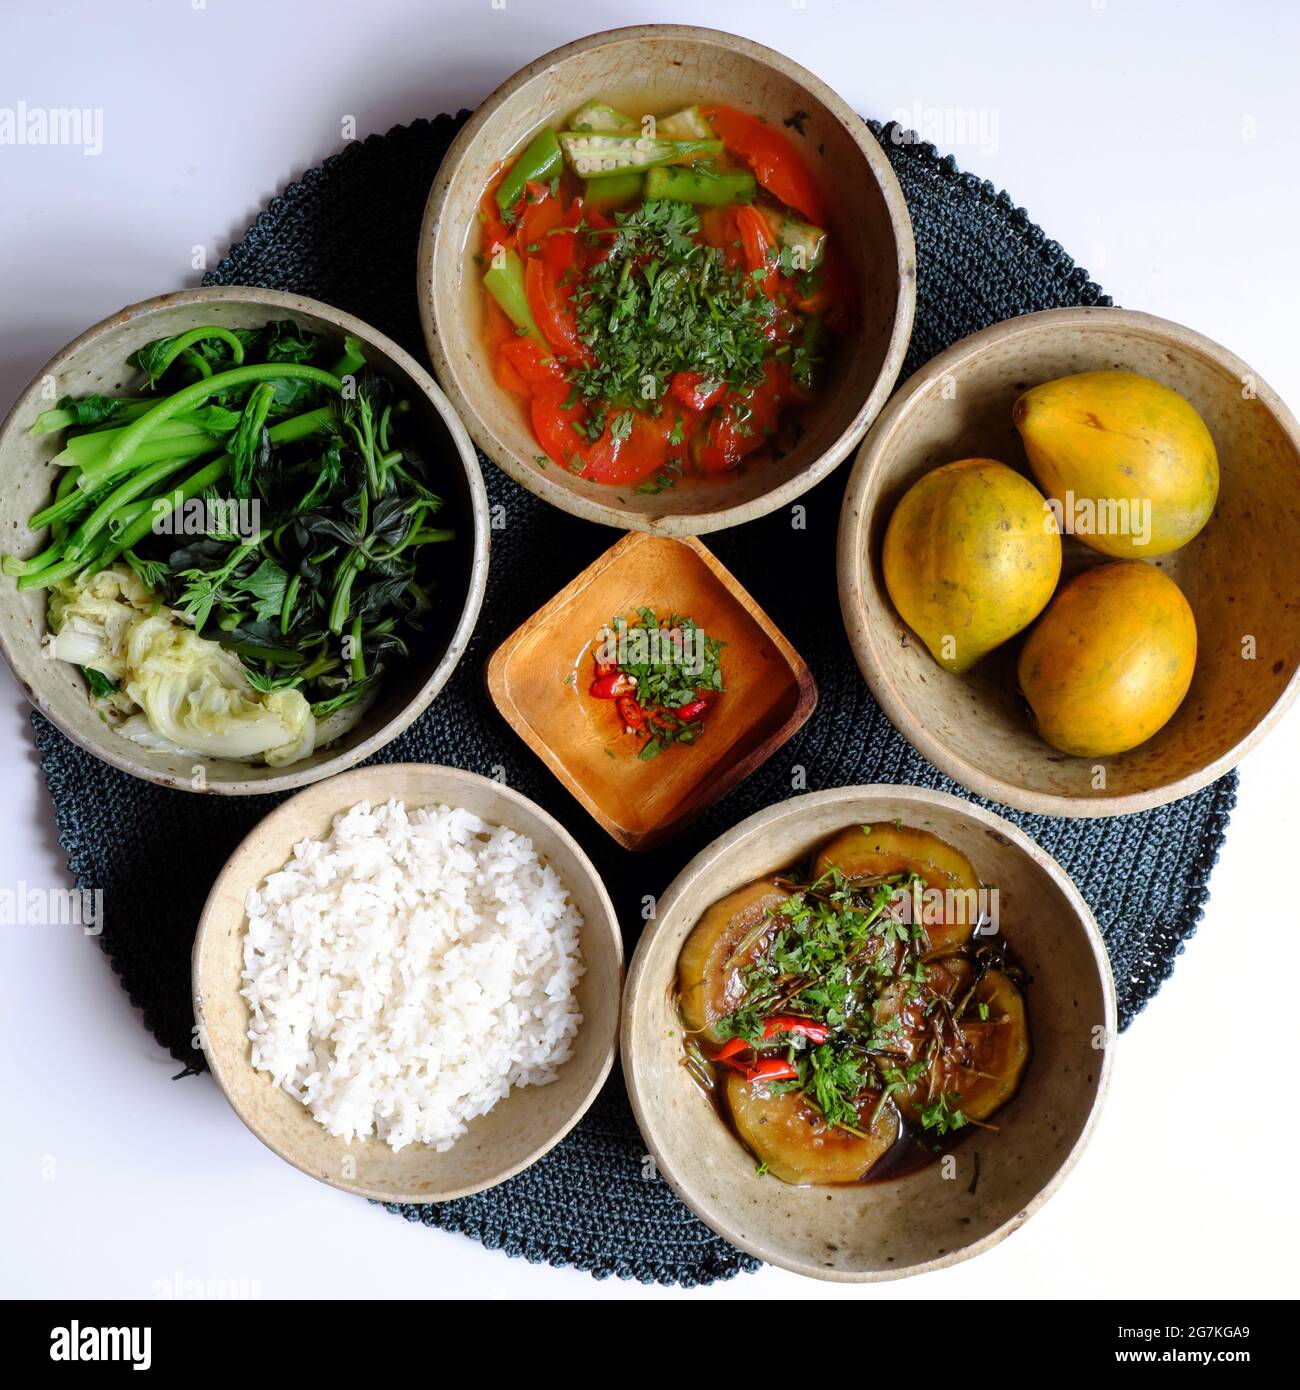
(661, 302)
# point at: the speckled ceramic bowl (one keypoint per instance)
(928, 1219)
(1239, 573)
(664, 67)
(97, 361)
(515, 1132)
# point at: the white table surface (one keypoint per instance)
(1156, 142)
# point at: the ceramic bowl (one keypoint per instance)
(515, 1132)
(664, 67)
(1239, 573)
(541, 674)
(929, 1218)
(97, 361)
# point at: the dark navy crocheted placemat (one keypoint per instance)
(346, 233)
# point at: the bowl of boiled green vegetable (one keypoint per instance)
(667, 277)
(245, 540)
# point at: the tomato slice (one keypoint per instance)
(633, 456)
(547, 230)
(541, 213)
(691, 389)
(718, 229)
(591, 250)
(742, 423)
(552, 312)
(510, 379)
(498, 332)
(758, 245)
(554, 425)
(773, 158)
(535, 368)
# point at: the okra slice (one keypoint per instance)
(614, 191)
(504, 279)
(600, 117)
(803, 239)
(684, 125)
(540, 162)
(699, 185)
(599, 156)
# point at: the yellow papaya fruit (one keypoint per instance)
(972, 554)
(1111, 659)
(1128, 463)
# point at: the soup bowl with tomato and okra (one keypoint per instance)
(668, 277)
(661, 294)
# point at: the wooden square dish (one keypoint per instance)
(540, 679)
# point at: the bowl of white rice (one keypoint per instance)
(407, 982)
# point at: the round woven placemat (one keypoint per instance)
(346, 233)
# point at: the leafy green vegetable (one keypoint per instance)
(266, 586)
(155, 358)
(943, 1114)
(337, 571)
(101, 686)
(250, 448)
(81, 414)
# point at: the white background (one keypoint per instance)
(1156, 142)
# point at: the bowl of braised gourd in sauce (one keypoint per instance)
(867, 1032)
(667, 276)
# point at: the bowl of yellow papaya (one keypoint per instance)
(1065, 552)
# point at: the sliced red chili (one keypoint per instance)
(730, 1048)
(771, 1069)
(688, 712)
(631, 713)
(804, 1027)
(612, 686)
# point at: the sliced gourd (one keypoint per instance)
(730, 935)
(806, 242)
(911, 1005)
(598, 156)
(600, 116)
(998, 1046)
(786, 1133)
(947, 977)
(986, 1072)
(873, 851)
(685, 125)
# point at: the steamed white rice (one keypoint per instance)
(406, 973)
